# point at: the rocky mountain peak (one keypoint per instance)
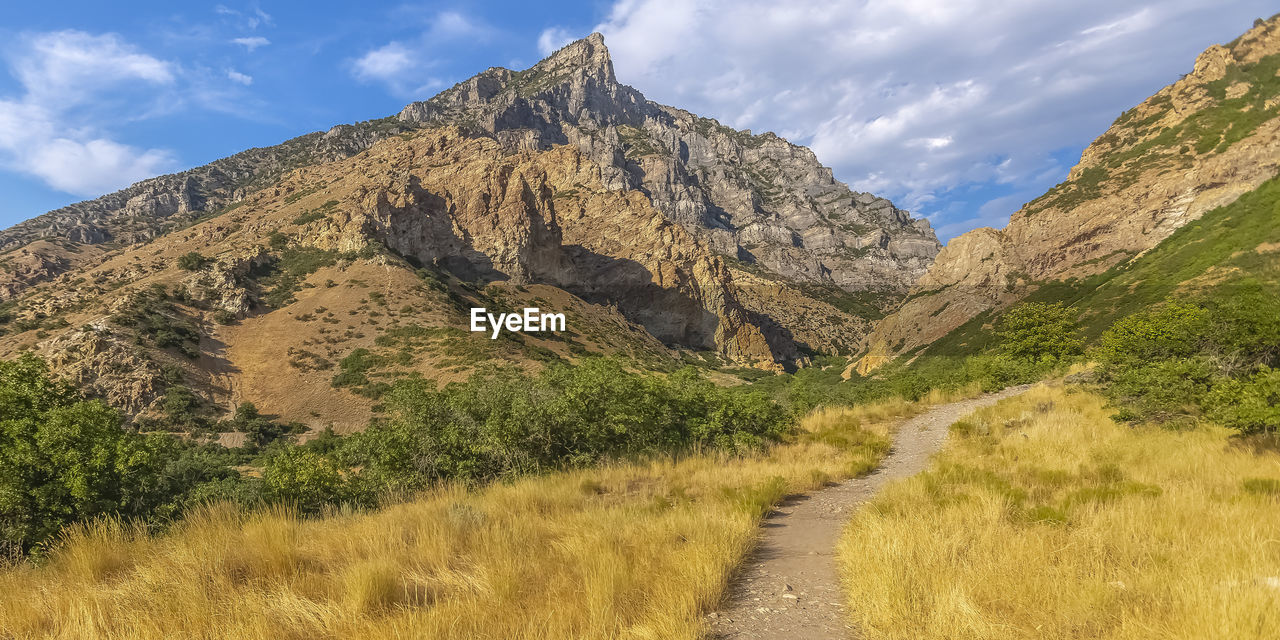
(757, 199)
(588, 56)
(764, 205)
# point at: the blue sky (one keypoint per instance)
(958, 110)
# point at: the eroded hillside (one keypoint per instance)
(1195, 145)
(766, 205)
(353, 273)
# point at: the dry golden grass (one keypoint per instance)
(640, 550)
(1045, 519)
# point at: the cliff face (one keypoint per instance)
(756, 198)
(383, 254)
(716, 203)
(1193, 146)
(464, 205)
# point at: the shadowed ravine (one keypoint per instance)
(789, 587)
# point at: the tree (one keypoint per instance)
(64, 459)
(1039, 331)
(260, 431)
(304, 478)
(1249, 406)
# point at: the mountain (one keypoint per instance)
(756, 198)
(308, 276)
(1196, 145)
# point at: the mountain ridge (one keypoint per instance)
(1193, 146)
(351, 255)
(866, 242)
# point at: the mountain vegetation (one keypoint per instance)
(244, 398)
(1046, 518)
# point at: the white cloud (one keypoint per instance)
(249, 19)
(405, 67)
(384, 63)
(72, 65)
(250, 44)
(71, 82)
(454, 25)
(236, 76)
(552, 39)
(914, 99)
(95, 166)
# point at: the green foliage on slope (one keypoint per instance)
(1188, 331)
(1229, 247)
(65, 459)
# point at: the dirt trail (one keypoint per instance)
(789, 587)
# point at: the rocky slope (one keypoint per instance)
(757, 198)
(764, 204)
(341, 277)
(35, 250)
(1197, 144)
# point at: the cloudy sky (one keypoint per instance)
(959, 110)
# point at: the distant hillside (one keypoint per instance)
(765, 204)
(1196, 145)
(1232, 248)
(309, 276)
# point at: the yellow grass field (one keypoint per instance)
(639, 550)
(1045, 519)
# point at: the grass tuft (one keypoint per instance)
(1044, 518)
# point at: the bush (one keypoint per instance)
(1170, 331)
(285, 275)
(259, 431)
(154, 316)
(1039, 331)
(183, 409)
(193, 261)
(305, 479)
(502, 423)
(1213, 358)
(1169, 391)
(1249, 406)
(65, 459)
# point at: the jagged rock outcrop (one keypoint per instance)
(103, 365)
(1195, 145)
(465, 205)
(30, 265)
(757, 198)
(221, 285)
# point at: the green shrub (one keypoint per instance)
(1249, 406)
(1212, 357)
(259, 430)
(305, 479)
(1169, 391)
(154, 316)
(1039, 331)
(65, 459)
(193, 261)
(503, 422)
(284, 276)
(1169, 331)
